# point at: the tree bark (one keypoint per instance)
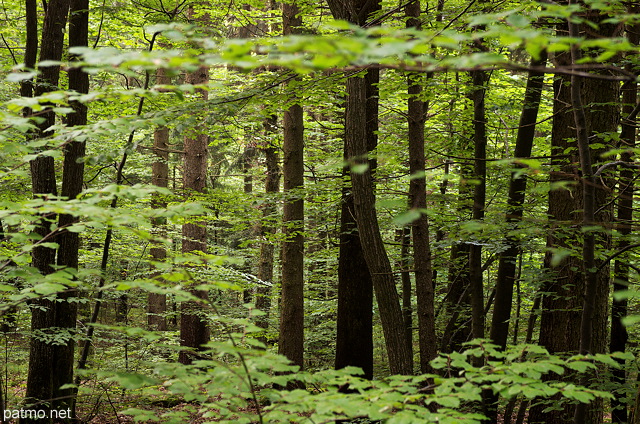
(267, 228)
(291, 342)
(156, 302)
(44, 378)
(418, 201)
(400, 362)
(354, 339)
(69, 242)
(624, 222)
(575, 311)
(479, 79)
(515, 204)
(193, 328)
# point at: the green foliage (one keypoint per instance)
(235, 379)
(236, 383)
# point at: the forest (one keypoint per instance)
(351, 211)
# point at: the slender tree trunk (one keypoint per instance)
(360, 114)
(156, 302)
(559, 318)
(403, 236)
(291, 342)
(31, 46)
(267, 227)
(193, 328)
(507, 268)
(515, 203)
(418, 201)
(69, 242)
(479, 80)
(626, 188)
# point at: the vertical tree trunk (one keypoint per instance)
(69, 242)
(43, 373)
(354, 344)
(575, 311)
(403, 236)
(354, 339)
(193, 329)
(31, 46)
(559, 317)
(479, 80)
(267, 228)
(248, 154)
(157, 303)
(626, 188)
(420, 227)
(291, 342)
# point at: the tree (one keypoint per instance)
(291, 343)
(51, 366)
(193, 326)
(357, 149)
(418, 202)
(160, 177)
(267, 228)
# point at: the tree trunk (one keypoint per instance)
(44, 377)
(354, 339)
(354, 344)
(568, 323)
(267, 228)
(400, 362)
(156, 302)
(291, 342)
(358, 144)
(418, 201)
(69, 242)
(479, 80)
(515, 204)
(624, 222)
(193, 328)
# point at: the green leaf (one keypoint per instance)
(407, 217)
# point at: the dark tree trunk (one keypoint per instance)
(515, 203)
(193, 328)
(626, 188)
(354, 339)
(403, 236)
(31, 46)
(560, 317)
(44, 377)
(479, 79)
(400, 361)
(418, 201)
(575, 310)
(360, 114)
(291, 342)
(354, 345)
(69, 242)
